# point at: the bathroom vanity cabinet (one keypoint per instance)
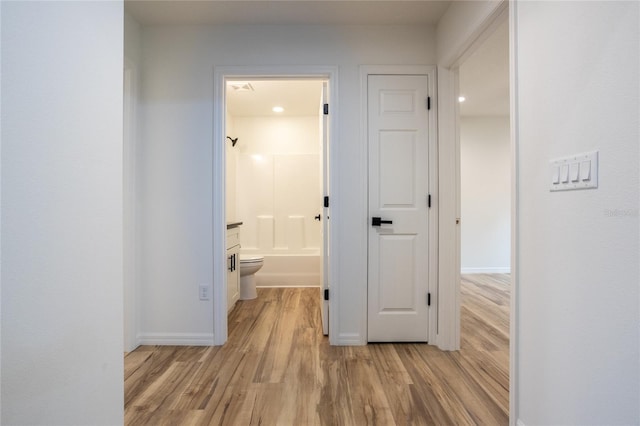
(233, 266)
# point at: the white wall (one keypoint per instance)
(485, 193)
(278, 184)
(0, 213)
(132, 52)
(177, 167)
(62, 213)
(577, 333)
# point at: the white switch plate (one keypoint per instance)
(586, 167)
(204, 291)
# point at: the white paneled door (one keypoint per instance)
(398, 144)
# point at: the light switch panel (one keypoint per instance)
(574, 172)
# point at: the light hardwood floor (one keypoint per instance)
(278, 369)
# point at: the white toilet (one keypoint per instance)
(249, 265)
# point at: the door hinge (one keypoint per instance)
(429, 200)
(428, 102)
(325, 109)
(326, 294)
(428, 299)
(326, 201)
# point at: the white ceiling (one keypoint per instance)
(297, 97)
(304, 12)
(484, 77)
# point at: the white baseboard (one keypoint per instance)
(280, 285)
(491, 270)
(176, 339)
(287, 280)
(350, 339)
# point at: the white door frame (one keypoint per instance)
(221, 74)
(430, 71)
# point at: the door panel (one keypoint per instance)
(398, 189)
(397, 169)
(397, 253)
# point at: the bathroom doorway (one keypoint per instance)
(275, 148)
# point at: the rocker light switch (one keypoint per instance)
(585, 170)
(555, 177)
(574, 171)
(564, 173)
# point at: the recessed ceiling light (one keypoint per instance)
(461, 99)
(278, 109)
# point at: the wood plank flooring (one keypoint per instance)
(278, 369)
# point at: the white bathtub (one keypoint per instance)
(283, 270)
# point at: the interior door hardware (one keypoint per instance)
(376, 221)
(233, 141)
(318, 218)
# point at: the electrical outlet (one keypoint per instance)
(204, 292)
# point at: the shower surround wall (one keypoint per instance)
(277, 195)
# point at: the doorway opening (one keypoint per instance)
(272, 142)
(485, 161)
(484, 201)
